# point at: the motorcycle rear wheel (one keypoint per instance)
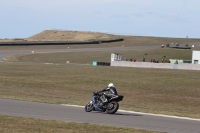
(89, 106)
(112, 107)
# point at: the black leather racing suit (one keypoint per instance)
(111, 90)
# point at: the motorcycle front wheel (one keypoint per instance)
(112, 107)
(89, 106)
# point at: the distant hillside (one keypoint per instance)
(71, 36)
(54, 37)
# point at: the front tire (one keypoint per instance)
(89, 106)
(112, 107)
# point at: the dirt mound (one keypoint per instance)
(57, 35)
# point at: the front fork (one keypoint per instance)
(94, 99)
(94, 103)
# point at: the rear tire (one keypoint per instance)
(112, 107)
(89, 106)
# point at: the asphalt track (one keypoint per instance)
(77, 114)
(4, 53)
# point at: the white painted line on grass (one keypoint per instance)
(48, 63)
(53, 52)
(126, 111)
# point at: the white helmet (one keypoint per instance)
(111, 85)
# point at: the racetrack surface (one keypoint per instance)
(77, 114)
(4, 53)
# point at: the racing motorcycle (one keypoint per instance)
(104, 103)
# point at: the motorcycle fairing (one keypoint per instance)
(116, 98)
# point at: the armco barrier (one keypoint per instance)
(103, 63)
(24, 43)
(94, 63)
(184, 66)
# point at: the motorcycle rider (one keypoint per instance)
(112, 91)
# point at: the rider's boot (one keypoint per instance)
(97, 108)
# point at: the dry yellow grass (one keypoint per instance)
(56, 35)
(167, 93)
(67, 36)
(149, 90)
(172, 92)
(30, 125)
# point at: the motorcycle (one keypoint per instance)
(104, 102)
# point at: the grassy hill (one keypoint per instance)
(67, 36)
(57, 35)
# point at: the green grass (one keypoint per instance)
(30, 125)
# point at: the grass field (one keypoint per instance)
(30, 125)
(89, 57)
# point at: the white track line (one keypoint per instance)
(48, 63)
(73, 105)
(52, 52)
(126, 111)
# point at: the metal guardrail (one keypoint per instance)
(22, 43)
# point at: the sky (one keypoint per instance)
(162, 18)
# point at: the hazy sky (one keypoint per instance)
(165, 18)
